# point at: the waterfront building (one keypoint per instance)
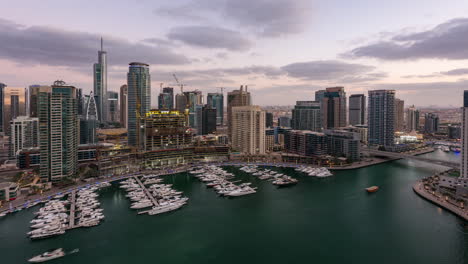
(248, 129)
(284, 121)
(58, 131)
(454, 131)
(305, 143)
(24, 134)
(165, 129)
(357, 109)
(431, 123)
(206, 123)
(333, 108)
(14, 105)
(399, 114)
(124, 105)
(216, 101)
(412, 119)
(113, 104)
(269, 139)
(100, 84)
(464, 137)
(2, 105)
(268, 119)
(381, 117)
(181, 102)
(9, 191)
(342, 143)
(139, 100)
(306, 116)
(236, 98)
(362, 130)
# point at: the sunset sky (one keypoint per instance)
(284, 50)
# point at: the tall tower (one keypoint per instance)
(248, 129)
(216, 101)
(139, 100)
(58, 131)
(14, 105)
(235, 98)
(306, 116)
(357, 109)
(2, 101)
(124, 105)
(412, 119)
(464, 137)
(100, 83)
(334, 108)
(381, 117)
(399, 114)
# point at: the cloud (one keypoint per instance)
(456, 72)
(326, 70)
(210, 37)
(57, 47)
(263, 17)
(445, 41)
(158, 42)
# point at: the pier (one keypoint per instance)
(71, 225)
(150, 196)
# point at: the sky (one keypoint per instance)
(284, 50)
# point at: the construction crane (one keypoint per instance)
(181, 85)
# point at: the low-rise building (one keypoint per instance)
(8, 191)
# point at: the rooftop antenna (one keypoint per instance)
(102, 45)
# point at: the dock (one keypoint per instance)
(71, 225)
(150, 196)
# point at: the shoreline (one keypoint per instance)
(418, 188)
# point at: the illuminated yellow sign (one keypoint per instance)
(157, 112)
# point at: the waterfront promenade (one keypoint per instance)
(418, 188)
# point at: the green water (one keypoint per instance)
(330, 220)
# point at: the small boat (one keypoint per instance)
(49, 255)
(372, 189)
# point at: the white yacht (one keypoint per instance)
(49, 255)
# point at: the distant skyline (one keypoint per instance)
(284, 50)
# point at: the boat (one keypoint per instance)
(372, 189)
(49, 255)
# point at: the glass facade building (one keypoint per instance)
(216, 101)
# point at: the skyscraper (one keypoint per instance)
(206, 123)
(319, 95)
(194, 98)
(306, 116)
(24, 134)
(216, 101)
(2, 107)
(381, 117)
(333, 108)
(58, 131)
(139, 100)
(464, 137)
(14, 105)
(357, 109)
(235, 98)
(166, 98)
(124, 105)
(100, 83)
(284, 121)
(181, 102)
(89, 122)
(399, 114)
(248, 129)
(268, 119)
(412, 119)
(431, 123)
(113, 107)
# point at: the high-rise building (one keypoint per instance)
(306, 116)
(248, 129)
(319, 95)
(399, 114)
(206, 123)
(24, 134)
(236, 98)
(32, 101)
(165, 129)
(14, 105)
(58, 131)
(124, 105)
(431, 123)
(268, 119)
(357, 109)
(139, 100)
(412, 119)
(284, 121)
(464, 137)
(80, 102)
(2, 105)
(194, 98)
(454, 131)
(333, 107)
(381, 117)
(89, 121)
(166, 99)
(181, 102)
(100, 84)
(113, 105)
(216, 101)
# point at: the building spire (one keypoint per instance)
(102, 45)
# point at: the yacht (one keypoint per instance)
(49, 255)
